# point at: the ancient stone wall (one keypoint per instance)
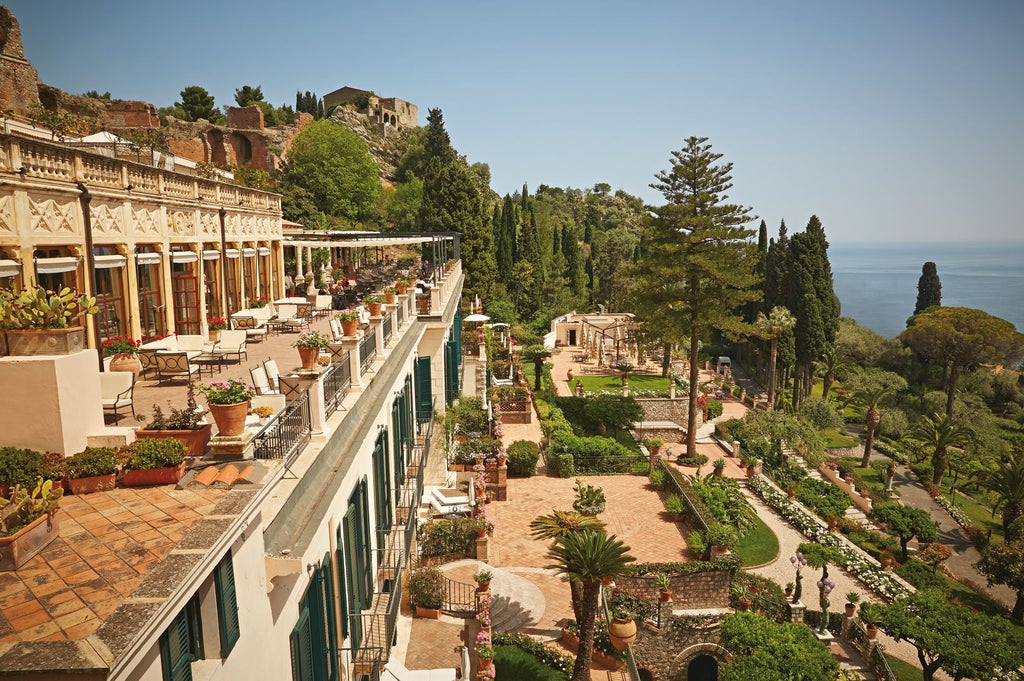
(130, 114)
(18, 79)
(664, 409)
(245, 117)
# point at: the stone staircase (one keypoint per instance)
(516, 603)
(853, 513)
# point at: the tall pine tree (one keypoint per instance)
(929, 288)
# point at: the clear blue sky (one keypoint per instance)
(889, 120)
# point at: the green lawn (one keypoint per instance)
(512, 663)
(613, 383)
(979, 515)
(835, 439)
(758, 546)
(904, 671)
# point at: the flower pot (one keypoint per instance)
(871, 630)
(389, 298)
(885, 561)
(481, 587)
(664, 595)
(402, 289)
(124, 362)
(18, 548)
(568, 374)
(428, 613)
(308, 357)
(169, 475)
(622, 633)
(230, 418)
(832, 523)
(374, 309)
(789, 592)
(743, 604)
(349, 327)
(486, 662)
(94, 483)
(32, 342)
(851, 609)
(214, 335)
(195, 440)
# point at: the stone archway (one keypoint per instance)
(699, 662)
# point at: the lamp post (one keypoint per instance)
(798, 562)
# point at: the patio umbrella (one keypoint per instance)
(476, 317)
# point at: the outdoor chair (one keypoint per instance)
(192, 344)
(253, 332)
(117, 390)
(148, 358)
(273, 375)
(302, 318)
(260, 380)
(231, 343)
(285, 313)
(171, 365)
(323, 305)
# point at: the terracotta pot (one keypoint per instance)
(94, 483)
(401, 289)
(481, 587)
(169, 475)
(428, 613)
(32, 342)
(743, 604)
(308, 357)
(789, 593)
(123, 362)
(486, 662)
(230, 418)
(481, 532)
(389, 298)
(374, 309)
(664, 595)
(195, 440)
(832, 523)
(850, 609)
(885, 561)
(214, 335)
(871, 630)
(349, 327)
(622, 633)
(568, 374)
(18, 548)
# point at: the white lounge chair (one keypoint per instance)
(445, 501)
(117, 390)
(231, 343)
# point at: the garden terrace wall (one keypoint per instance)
(666, 409)
(698, 590)
(515, 411)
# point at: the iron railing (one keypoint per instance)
(631, 670)
(597, 465)
(287, 434)
(367, 351)
(388, 327)
(364, 663)
(459, 598)
(337, 382)
(673, 486)
(880, 665)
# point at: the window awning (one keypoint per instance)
(103, 262)
(231, 253)
(9, 268)
(147, 258)
(182, 257)
(56, 265)
(211, 254)
(248, 252)
(264, 250)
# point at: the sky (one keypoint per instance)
(891, 121)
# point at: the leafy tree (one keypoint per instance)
(333, 165)
(1006, 482)
(870, 390)
(1004, 564)
(247, 95)
(833, 361)
(697, 255)
(197, 103)
(939, 433)
(961, 338)
(535, 354)
(929, 288)
(770, 651)
(778, 320)
(614, 411)
(62, 124)
(588, 557)
(906, 522)
(964, 643)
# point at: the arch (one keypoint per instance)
(242, 148)
(702, 660)
(218, 154)
(394, 120)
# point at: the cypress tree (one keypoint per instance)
(502, 242)
(929, 288)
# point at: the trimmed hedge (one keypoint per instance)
(522, 459)
(548, 656)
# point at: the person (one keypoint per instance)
(289, 284)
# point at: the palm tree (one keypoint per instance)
(536, 354)
(938, 433)
(1006, 480)
(833, 361)
(870, 397)
(588, 557)
(778, 320)
(557, 524)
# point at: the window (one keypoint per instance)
(227, 605)
(182, 643)
(382, 487)
(313, 641)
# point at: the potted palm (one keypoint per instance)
(589, 500)
(719, 466)
(229, 404)
(852, 599)
(654, 445)
(28, 522)
(185, 425)
(426, 591)
(309, 345)
(42, 322)
(92, 470)
(123, 352)
(349, 322)
(662, 581)
(153, 462)
(374, 303)
(742, 596)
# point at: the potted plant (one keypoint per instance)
(349, 322)
(402, 285)
(674, 506)
(93, 469)
(483, 578)
(123, 353)
(20, 466)
(720, 539)
(28, 522)
(742, 596)
(390, 295)
(485, 652)
(263, 413)
(422, 303)
(257, 303)
(719, 466)
(789, 589)
(662, 581)
(852, 599)
(153, 462)
(184, 425)
(622, 628)
(309, 344)
(791, 488)
(229, 404)
(654, 445)
(41, 322)
(373, 303)
(216, 325)
(589, 499)
(657, 478)
(483, 525)
(867, 615)
(426, 591)
(753, 466)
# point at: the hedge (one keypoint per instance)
(522, 459)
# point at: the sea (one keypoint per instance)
(877, 282)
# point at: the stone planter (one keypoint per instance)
(308, 357)
(17, 549)
(33, 342)
(195, 440)
(94, 483)
(124, 362)
(622, 633)
(230, 418)
(428, 613)
(572, 642)
(154, 476)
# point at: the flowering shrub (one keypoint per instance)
(231, 391)
(546, 655)
(217, 323)
(961, 519)
(256, 303)
(120, 345)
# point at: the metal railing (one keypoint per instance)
(880, 665)
(337, 382)
(364, 663)
(631, 670)
(673, 485)
(388, 327)
(287, 434)
(459, 598)
(367, 351)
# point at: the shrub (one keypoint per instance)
(426, 587)
(697, 461)
(148, 453)
(893, 424)
(714, 409)
(91, 462)
(656, 477)
(674, 504)
(561, 464)
(819, 412)
(21, 466)
(446, 537)
(522, 458)
(825, 499)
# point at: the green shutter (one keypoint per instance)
(227, 605)
(331, 631)
(364, 523)
(175, 650)
(353, 573)
(302, 649)
(396, 425)
(424, 393)
(451, 372)
(381, 487)
(343, 576)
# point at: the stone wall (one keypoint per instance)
(125, 114)
(665, 409)
(689, 592)
(665, 654)
(245, 117)
(18, 88)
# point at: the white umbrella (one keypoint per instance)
(476, 317)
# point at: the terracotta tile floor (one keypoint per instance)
(107, 542)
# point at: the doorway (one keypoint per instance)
(702, 668)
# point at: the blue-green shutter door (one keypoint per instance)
(424, 394)
(227, 605)
(175, 650)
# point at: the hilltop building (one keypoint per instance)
(387, 112)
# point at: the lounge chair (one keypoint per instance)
(172, 365)
(253, 331)
(117, 390)
(231, 343)
(260, 380)
(445, 501)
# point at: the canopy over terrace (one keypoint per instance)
(444, 245)
(598, 333)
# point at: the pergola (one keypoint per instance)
(598, 332)
(444, 245)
